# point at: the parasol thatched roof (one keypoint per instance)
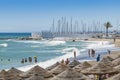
(117, 67)
(107, 62)
(74, 63)
(109, 58)
(116, 62)
(70, 74)
(36, 77)
(4, 75)
(116, 77)
(36, 70)
(82, 66)
(53, 66)
(100, 68)
(60, 68)
(14, 71)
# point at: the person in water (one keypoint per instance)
(30, 59)
(22, 61)
(25, 59)
(35, 58)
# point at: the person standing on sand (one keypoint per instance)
(62, 61)
(98, 58)
(74, 55)
(109, 51)
(67, 61)
(89, 52)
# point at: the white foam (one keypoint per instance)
(69, 53)
(52, 61)
(55, 43)
(4, 45)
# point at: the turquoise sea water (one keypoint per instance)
(44, 50)
(47, 51)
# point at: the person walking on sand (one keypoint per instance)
(109, 51)
(93, 53)
(98, 57)
(89, 52)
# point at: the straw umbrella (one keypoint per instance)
(109, 58)
(116, 77)
(74, 63)
(117, 67)
(100, 69)
(60, 68)
(116, 62)
(53, 66)
(70, 74)
(36, 70)
(4, 75)
(82, 66)
(107, 62)
(36, 77)
(14, 71)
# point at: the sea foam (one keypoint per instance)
(4, 45)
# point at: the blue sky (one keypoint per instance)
(37, 15)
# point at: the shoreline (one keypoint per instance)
(47, 62)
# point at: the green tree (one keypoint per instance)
(107, 26)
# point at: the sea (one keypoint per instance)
(48, 52)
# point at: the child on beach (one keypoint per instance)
(98, 58)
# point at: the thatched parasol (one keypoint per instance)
(14, 71)
(116, 62)
(116, 77)
(53, 66)
(4, 75)
(60, 68)
(36, 77)
(74, 63)
(36, 70)
(100, 69)
(109, 58)
(107, 62)
(70, 74)
(117, 67)
(82, 66)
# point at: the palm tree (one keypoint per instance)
(107, 26)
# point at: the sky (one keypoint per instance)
(37, 15)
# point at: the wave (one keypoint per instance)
(52, 61)
(81, 54)
(4, 45)
(55, 43)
